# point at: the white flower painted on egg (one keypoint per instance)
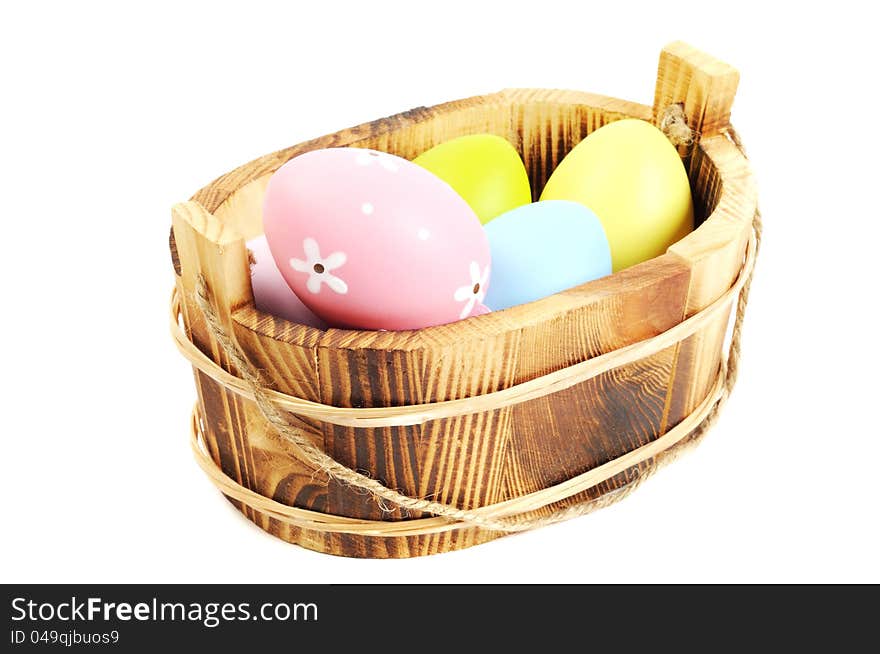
(474, 293)
(370, 157)
(318, 268)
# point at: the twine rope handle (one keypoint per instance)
(499, 517)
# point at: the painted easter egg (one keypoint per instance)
(543, 248)
(631, 176)
(368, 240)
(271, 293)
(484, 169)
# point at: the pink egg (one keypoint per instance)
(368, 240)
(271, 292)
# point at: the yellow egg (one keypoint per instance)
(484, 169)
(631, 176)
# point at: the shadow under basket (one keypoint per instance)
(528, 415)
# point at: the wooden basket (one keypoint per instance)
(495, 455)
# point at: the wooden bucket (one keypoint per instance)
(504, 452)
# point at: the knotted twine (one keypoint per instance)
(674, 125)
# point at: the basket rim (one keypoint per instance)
(729, 220)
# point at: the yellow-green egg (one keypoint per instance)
(484, 169)
(631, 176)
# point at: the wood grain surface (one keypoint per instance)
(478, 459)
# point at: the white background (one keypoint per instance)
(111, 114)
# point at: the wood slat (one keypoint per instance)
(706, 87)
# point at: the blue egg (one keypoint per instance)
(542, 248)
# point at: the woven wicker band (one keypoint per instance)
(512, 515)
(415, 414)
(519, 506)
